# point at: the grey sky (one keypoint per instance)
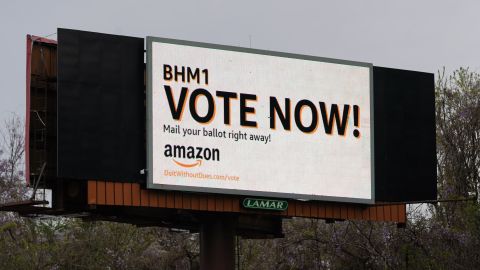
(417, 35)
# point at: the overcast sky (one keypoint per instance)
(416, 35)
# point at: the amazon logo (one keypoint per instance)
(194, 155)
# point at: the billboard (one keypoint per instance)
(233, 120)
(100, 106)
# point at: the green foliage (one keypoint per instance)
(60, 243)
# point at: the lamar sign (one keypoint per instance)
(241, 121)
(265, 204)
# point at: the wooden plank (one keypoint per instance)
(380, 213)
(366, 213)
(358, 213)
(144, 198)
(298, 209)
(170, 199)
(372, 213)
(203, 203)
(236, 204)
(135, 194)
(322, 210)
(329, 211)
(394, 210)
(402, 213)
(110, 193)
(92, 192)
(314, 209)
(388, 212)
(336, 211)
(306, 210)
(344, 212)
(101, 193)
(187, 201)
(162, 199)
(211, 203)
(219, 203)
(291, 208)
(178, 200)
(127, 194)
(227, 204)
(152, 198)
(118, 189)
(195, 202)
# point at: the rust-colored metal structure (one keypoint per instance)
(105, 193)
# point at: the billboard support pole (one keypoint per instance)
(217, 243)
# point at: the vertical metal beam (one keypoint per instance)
(217, 243)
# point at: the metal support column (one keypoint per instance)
(217, 243)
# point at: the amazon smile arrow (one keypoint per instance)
(185, 165)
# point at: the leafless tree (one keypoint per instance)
(12, 185)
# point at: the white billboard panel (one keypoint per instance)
(241, 121)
